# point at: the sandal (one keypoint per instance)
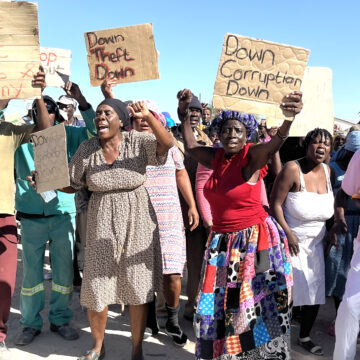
(93, 355)
(308, 345)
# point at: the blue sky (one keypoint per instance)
(189, 37)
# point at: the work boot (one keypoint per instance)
(27, 336)
(65, 331)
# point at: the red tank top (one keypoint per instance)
(235, 204)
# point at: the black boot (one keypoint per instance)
(172, 327)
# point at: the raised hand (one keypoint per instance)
(184, 97)
(204, 105)
(39, 79)
(73, 90)
(272, 131)
(106, 87)
(139, 110)
(293, 103)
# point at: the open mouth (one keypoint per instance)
(102, 129)
(320, 152)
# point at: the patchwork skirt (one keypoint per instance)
(243, 308)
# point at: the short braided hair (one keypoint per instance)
(313, 134)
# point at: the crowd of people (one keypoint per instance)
(265, 225)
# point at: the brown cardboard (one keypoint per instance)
(19, 49)
(254, 76)
(318, 109)
(56, 64)
(127, 54)
(50, 156)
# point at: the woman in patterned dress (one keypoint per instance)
(244, 301)
(123, 257)
(162, 183)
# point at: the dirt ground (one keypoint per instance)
(51, 346)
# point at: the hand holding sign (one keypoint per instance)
(73, 90)
(39, 79)
(293, 103)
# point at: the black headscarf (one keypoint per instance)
(120, 108)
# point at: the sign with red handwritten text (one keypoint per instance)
(127, 54)
(19, 49)
(56, 64)
(255, 75)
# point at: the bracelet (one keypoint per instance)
(282, 137)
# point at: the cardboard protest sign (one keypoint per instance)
(19, 49)
(56, 64)
(318, 109)
(50, 155)
(255, 75)
(127, 54)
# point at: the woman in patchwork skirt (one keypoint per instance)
(244, 303)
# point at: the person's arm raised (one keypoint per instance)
(43, 119)
(87, 112)
(139, 110)
(106, 88)
(284, 182)
(73, 90)
(260, 154)
(202, 154)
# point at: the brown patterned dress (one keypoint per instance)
(123, 256)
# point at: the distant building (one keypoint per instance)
(345, 124)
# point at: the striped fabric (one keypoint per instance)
(162, 188)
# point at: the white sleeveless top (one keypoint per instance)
(305, 213)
